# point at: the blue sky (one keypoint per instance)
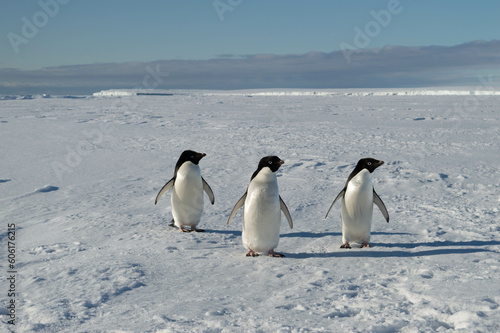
(142, 33)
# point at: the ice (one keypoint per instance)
(113, 93)
(79, 175)
(486, 91)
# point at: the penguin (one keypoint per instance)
(261, 214)
(358, 197)
(187, 191)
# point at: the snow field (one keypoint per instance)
(79, 178)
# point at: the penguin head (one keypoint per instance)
(188, 156)
(272, 162)
(369, 164)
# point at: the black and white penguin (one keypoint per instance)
(262, 211)
(187, 191)
(357, 205)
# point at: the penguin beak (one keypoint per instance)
(281, 162)
(203, 155)
(379, 163)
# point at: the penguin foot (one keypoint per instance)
(252, 253)
(184, 229)
(273, 254)
(197, 230)
(345, 246)
(365, 244)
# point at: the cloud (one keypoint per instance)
(390, 66)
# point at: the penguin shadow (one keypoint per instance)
(441, 244)
(376, 251)
(305, 234)
(367, 253)
(385, 233)
(234, 233)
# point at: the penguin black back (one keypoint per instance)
(273, 162)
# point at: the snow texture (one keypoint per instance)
(79, 175)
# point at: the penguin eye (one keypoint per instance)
(270, 162)
(192, 156)
(369, 163)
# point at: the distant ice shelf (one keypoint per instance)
(36, 96)
(367, 93)
(273, 92)
(114, 93)
(126, 93)
(299, 92)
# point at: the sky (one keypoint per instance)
(77, 46)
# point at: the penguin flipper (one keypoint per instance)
(164, 189)
(208, 191)
(340, 195)
(380, 205)
(284, 208)
(238, 205)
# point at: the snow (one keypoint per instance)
(78, 177)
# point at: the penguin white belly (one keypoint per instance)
(187, 196)
(261, 213)
(357, 208)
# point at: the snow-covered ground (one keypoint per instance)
(78, 178)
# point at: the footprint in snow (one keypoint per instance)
(443, 176)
